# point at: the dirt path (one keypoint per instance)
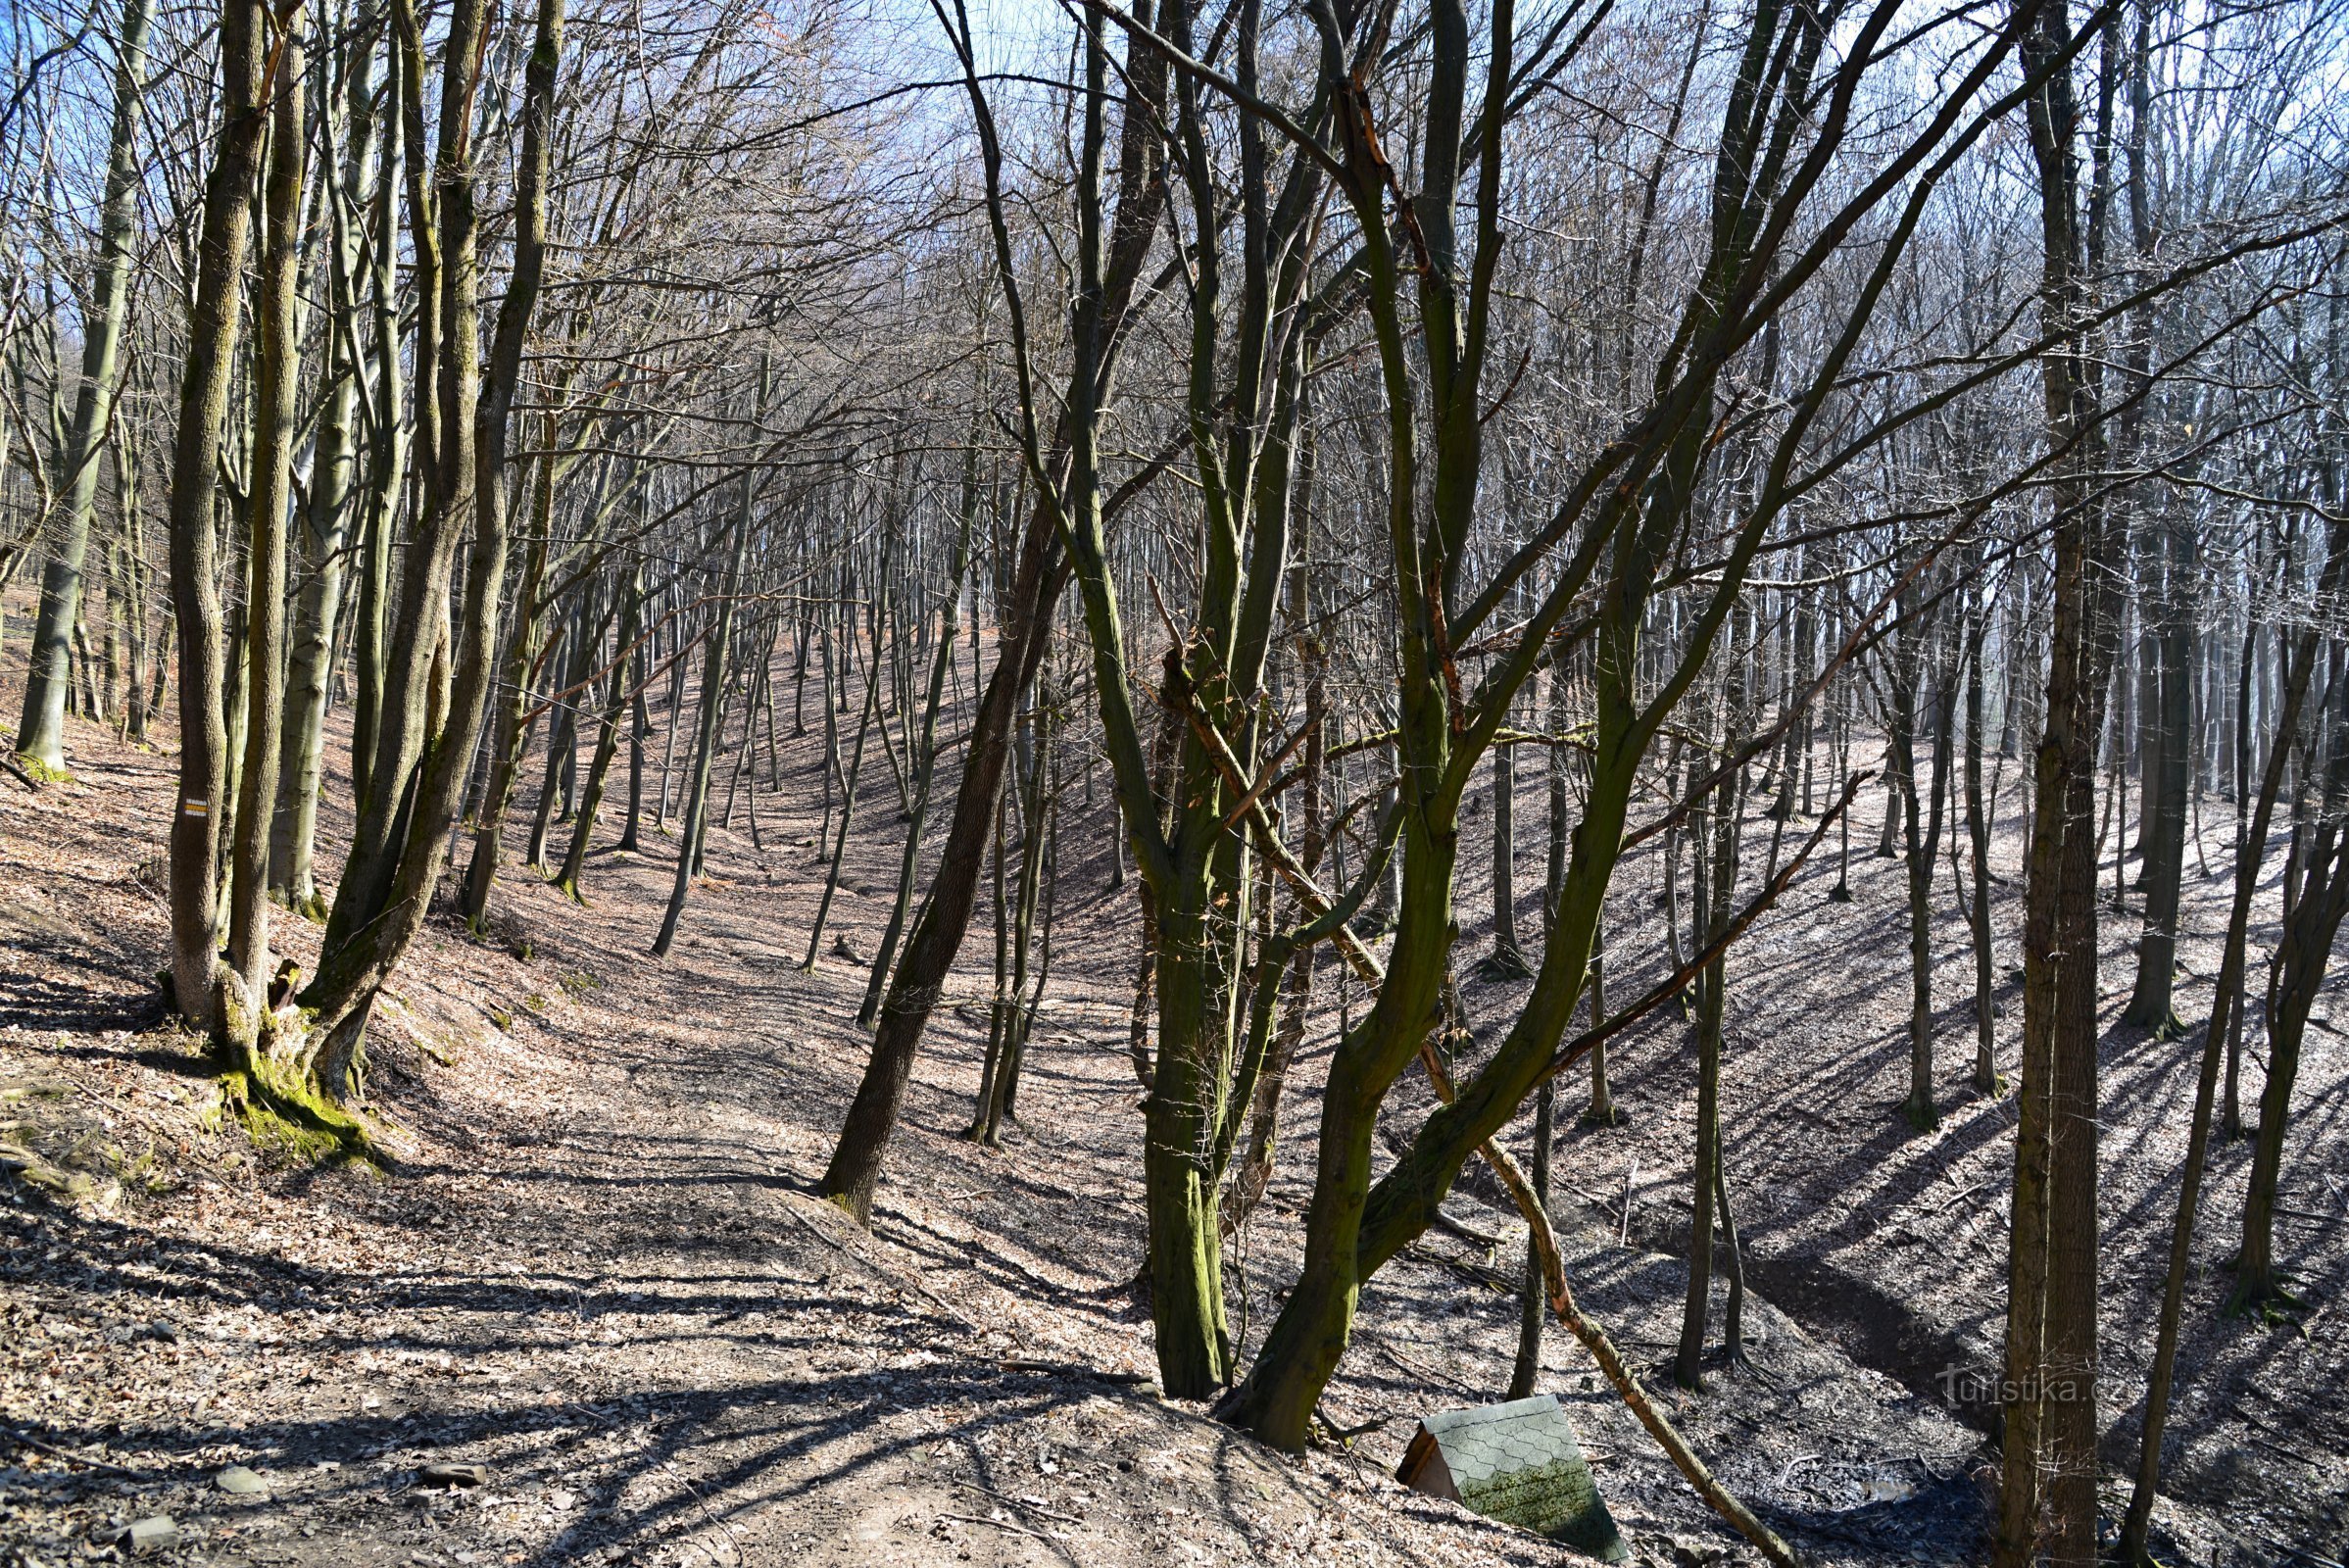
(595, 1271)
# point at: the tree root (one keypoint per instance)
(2268, 1302)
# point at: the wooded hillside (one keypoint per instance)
(877, 783)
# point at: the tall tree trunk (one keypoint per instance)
(387, 437)
(2171, 643)
(712, 706)
(389, 879)
(2226, 1005)
(2309, 930)
(327, 519)
(1533, 1307)
(608, 734)
(1717, 836)
(41, 736)
(640, 729)
(510, 736)
(277, 371)
(213, 320)
(579, 650)
(848, 808)
(924, 747)
(1908, 675)
(1023, 618)
(1987, 1079)
(2047, 1501)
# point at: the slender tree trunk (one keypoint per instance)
(713, 705)
(1717, 866)
(2226, 1005)
(1533, 1308)
(510, 741)
(2301, 960)
(924, 748)
(213, 320)
(640, 727)
(276, 370)
(1987, 1079)
(2171, 642)
(848, 808)
(2047, 1500)
(579, 647)
(387, 891)
(328, 516)
(387, 441)
(1908, 674)
(1507, 959)
(41, 736)
(607, 736)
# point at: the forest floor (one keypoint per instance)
(593, 1267)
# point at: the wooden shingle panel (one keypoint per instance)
(1519, 1463)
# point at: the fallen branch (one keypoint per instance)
(1061, 1370)
(1467, 1231)
(1347, 1434)
(67, 1454)
(1602, 1350)
(1000, 1524)
(1021, 1503)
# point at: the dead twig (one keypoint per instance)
(1004, 1524)
(1022, 1504)
(67, 1454)
(1347, 1434)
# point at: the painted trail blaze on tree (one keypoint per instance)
(1518, 1463)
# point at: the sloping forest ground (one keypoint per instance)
(594, 1269)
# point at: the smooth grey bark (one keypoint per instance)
(214, 322)
(713, 705)
(41, 736)
(510, 740)
(924, 748)
(277, 368)
(608, 733)
(387, 436)
(327, 519)
(1533, 1307)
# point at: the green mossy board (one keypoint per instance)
(1518, 1463)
